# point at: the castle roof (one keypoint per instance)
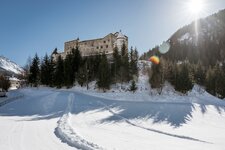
(120, 36)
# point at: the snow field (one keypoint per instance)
(46, 119)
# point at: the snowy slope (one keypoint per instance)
(46, 119)
(10, 66)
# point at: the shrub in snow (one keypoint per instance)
(133, 86)
(4, 83)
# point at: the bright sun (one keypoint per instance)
(195, 6)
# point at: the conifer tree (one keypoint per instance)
(219, 81)
(42, 73)
(157, 77)
(124, 69)
(131, 59)
(184, 79)
(34, 76)
(136, 57)
(104, 79)
(169, 70)
(133, 62)
(68, 71)
(51, 70)
(81, 77)
(45, 72)
(199, 74)
(215, 81)
(116, 64)
(59, 73)
(91, 63)
(83, 73)
(76, 60)
(97, 62)
(223, 80)
(210, 81)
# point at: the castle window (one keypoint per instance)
(97, 47)
(104, 41)
(106, 46)
(101, 46)
(106, 52)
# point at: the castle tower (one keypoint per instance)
(120, 39)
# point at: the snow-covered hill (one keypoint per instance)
(10, 67)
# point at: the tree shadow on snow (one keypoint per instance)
(50, 105)
(175, 114)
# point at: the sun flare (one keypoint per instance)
(195, 6)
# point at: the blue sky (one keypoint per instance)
(30, 26)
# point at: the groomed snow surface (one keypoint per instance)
(50, 119)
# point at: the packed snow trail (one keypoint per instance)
(29, 122)
(66, 133)
(11, 96)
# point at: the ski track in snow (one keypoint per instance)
(10, 99)
(66, 133)
(27, 131)
(149, 129)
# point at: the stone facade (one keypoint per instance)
(95, 46)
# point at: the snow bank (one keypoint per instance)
(146, 93)
(120, 92)
(66, 133)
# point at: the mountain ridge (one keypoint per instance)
(9, 67)
(202, 40)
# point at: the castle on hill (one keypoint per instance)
(95, 46)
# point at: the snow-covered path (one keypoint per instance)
(48, 119)
(29, 123)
